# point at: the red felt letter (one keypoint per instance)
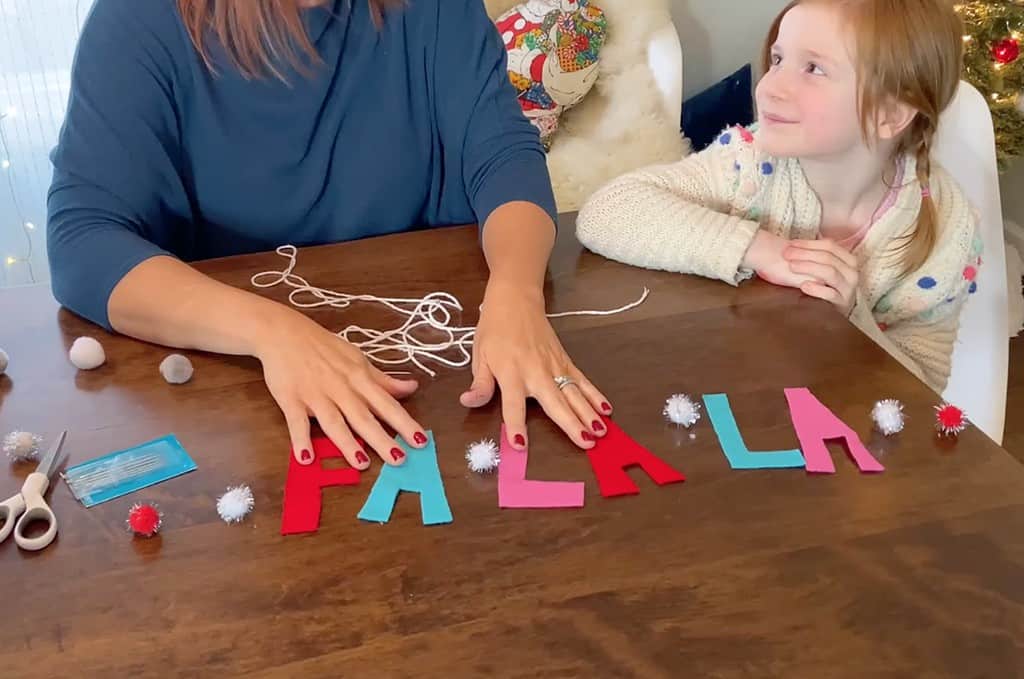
(302, 489)
(615, 452)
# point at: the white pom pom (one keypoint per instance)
(4, 361)
(235, 504)
(483, 456)
(87, 353)
(888, 416)
(176, 369)
(680, 409)
(22, 445)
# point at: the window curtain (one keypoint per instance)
(37, 44)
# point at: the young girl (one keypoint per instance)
(833, 192)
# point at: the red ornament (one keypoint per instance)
(950, 420)
(144, 519)
(1006, 51)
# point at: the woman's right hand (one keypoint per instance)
(312, 372)
(765, 258)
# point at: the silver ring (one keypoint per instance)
(563, 381)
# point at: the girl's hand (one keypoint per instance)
(516, 345)
(311, 372)
(765, 258)
(833, 268)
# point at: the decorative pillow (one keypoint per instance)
(553, 48)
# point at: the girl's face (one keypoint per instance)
(807, 102)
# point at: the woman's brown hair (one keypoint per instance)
(909, 51)
(258, 35)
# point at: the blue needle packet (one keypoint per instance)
(126, 471)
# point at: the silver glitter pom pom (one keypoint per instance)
(483, 456)
(888, 416)
(22, 445)
(235, 504)
(680, 409)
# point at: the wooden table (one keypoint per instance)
(916, 572)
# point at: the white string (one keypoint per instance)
(435, 312)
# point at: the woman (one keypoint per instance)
(205, 128)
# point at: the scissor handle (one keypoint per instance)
(9, 511)
(36, 510)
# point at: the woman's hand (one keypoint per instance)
(832, 268)
(516, 346)
(311, 372)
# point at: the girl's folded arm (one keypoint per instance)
(670, 217)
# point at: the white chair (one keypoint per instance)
(665, 59)
(965, 146)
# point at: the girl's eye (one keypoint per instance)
(814, 69)
(776, 60)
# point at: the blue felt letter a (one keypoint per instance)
(419, 474)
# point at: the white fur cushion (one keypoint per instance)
(621, 124)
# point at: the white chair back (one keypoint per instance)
(665, 59)
(965, 146)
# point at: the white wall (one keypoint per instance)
(719, 36)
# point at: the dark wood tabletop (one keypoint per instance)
(914, 572)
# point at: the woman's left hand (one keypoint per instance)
(833, 267)
(516, 347)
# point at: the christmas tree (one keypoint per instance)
(993, 63)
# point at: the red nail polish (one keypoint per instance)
(306, 455)
(520, 440)
(596, 425)
(606, 407)
(587, 436)
(420, 438)
(361, 457)
(397, 454)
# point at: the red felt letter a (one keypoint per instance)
(302, 489)
(615, 452)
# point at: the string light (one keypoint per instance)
(26, 226)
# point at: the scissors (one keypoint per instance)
(30, 500)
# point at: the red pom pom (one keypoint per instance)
(949, 419)
(144, 519)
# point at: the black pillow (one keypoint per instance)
(730, 102)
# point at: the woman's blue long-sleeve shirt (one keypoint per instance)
(413, 125)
